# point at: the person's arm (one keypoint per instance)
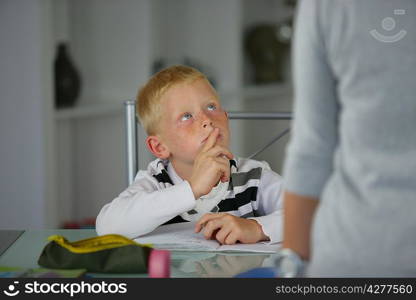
(314, 136)
(142, 207)
(299, 211)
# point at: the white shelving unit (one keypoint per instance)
(114, 45)
(100, 109)
(88, 111)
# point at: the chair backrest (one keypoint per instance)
(132, 153)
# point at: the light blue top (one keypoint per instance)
(354, 134)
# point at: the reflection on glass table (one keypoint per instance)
(208, 264)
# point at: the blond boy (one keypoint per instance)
(188, 132)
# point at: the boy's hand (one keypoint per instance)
(228, 229)
(210, 166)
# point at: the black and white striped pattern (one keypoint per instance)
(241, 198)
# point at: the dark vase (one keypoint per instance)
(67, 79)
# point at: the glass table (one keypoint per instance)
(22, 249)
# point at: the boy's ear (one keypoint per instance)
(156, 147)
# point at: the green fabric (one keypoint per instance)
(123, 259)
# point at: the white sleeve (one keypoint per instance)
(270, 205)
(314, 135)
(142, 207)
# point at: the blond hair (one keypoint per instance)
(148, 103)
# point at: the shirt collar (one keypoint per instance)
(176, 179)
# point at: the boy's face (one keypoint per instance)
(190, 112)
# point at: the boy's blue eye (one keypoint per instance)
(186, 116)
(212, 107)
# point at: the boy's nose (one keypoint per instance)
(207, 123)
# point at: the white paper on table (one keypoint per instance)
(181, 237)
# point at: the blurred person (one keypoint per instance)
(350, 170)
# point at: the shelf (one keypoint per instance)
(267, 90)
(259, 91)
(102, 109)
(87, 111)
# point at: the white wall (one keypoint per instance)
(25, 107)
(111, 41)
(214, 31)
(207, 32)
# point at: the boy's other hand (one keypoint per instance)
(228, 229)
(210, 166)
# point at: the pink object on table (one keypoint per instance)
(159, 264)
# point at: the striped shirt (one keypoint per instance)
(159, 196)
